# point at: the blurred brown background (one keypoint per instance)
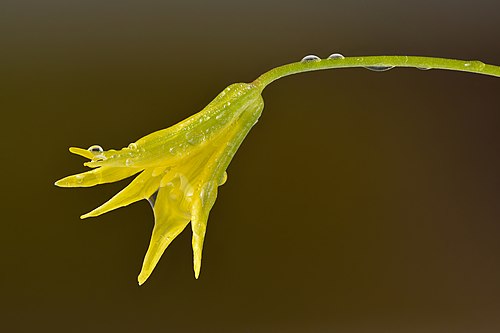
(361, 202)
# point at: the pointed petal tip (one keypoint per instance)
(143, 276)
(94, 213)
(197, 266)
(82, 152)
(71, 181)
(65, 182)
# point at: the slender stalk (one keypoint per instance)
(477, 67)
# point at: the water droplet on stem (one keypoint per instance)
(379, 68)
(310, 57)
(336, 56)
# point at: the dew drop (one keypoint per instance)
(172, 150)
(95, 149)
(336, 56)
(189, 192)
(166, 181)
(79, 178)
(132, 146)
(202, 194)
(310, 57)
(174, 195)
(474, 65)
(224, 179)
(379, 68)
(129, 162)
(480, 65)
(157, 171)
(194, 139)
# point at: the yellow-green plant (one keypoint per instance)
(181, 167)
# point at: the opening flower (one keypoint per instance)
(179, 169)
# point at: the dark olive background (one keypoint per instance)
(361, 201)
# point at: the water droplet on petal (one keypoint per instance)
(379, 68)
(336, 56)
(166, 180)
(79, 178)
(194, 138)
(129, 162)
(189, 191)
(132, 146)
(157, 171)
(224, 179)
(172, 150)
(95, 149)
(310, 57)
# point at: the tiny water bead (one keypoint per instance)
(132, 146)
(95, 149)
(223, 180)
(379, 68)
(79, 178)
(476, 65)
(196, 138)
(158, 171)
(310, 57)
(336, 56)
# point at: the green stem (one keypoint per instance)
(377, 61)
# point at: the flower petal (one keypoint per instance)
(142, 187)
(170, 220)
(200, 210)
(82, 152)
(97, 176)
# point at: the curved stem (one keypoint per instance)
(377, 61)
